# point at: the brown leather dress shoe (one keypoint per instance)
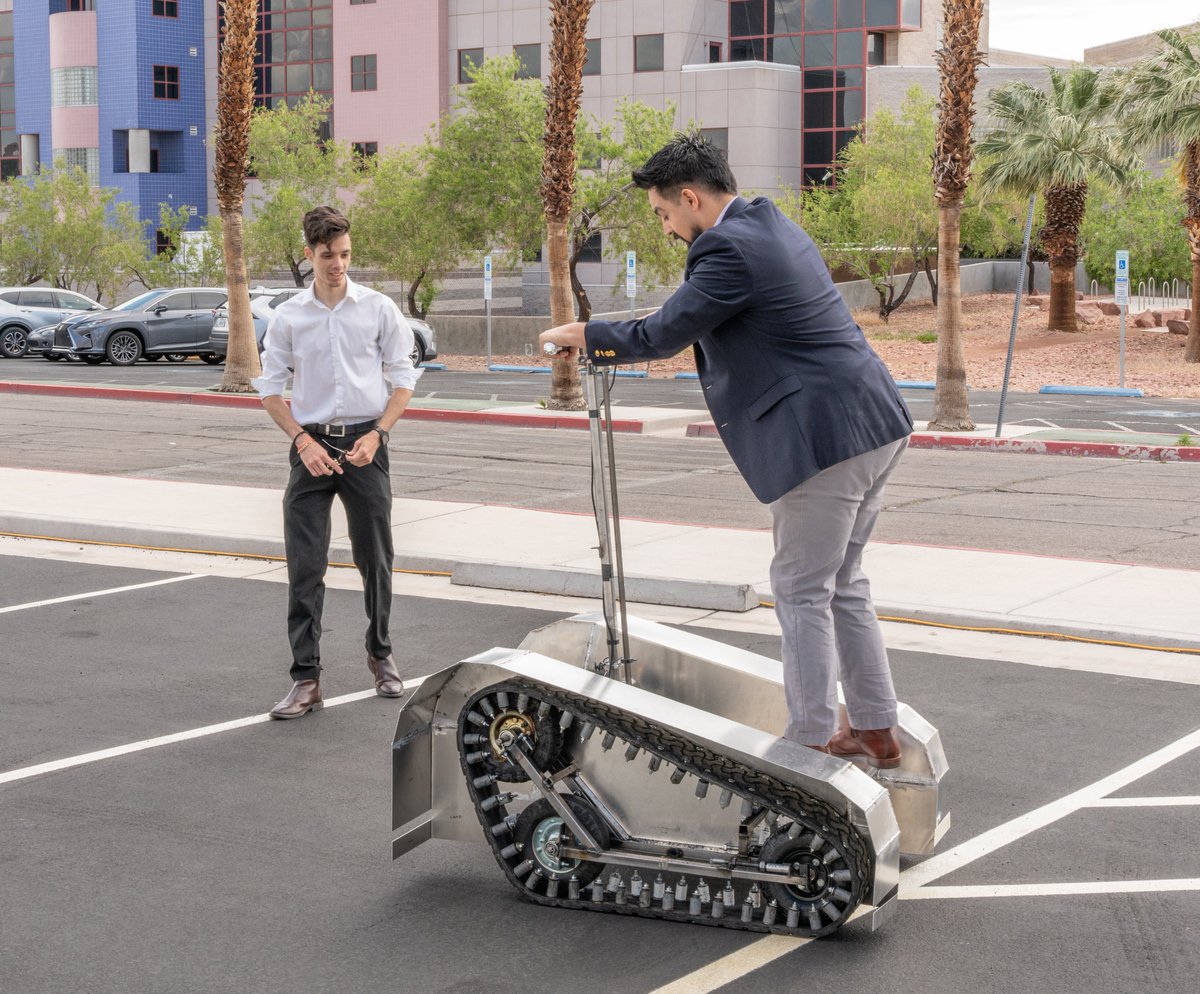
(304, 696)
(387, 677)
(877, 747)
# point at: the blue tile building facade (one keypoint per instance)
(149, 93)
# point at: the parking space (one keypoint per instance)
(256, 857)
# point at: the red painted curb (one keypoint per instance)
(1055, 447)
(1028, 446)
(244, 400)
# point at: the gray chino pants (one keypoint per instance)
(823, 598)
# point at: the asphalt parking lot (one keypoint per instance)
(256, 857)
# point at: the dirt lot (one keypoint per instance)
(1153, 359)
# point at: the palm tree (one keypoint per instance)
(958, 63)
(235, 106)
(568, 52)
(1054, 142)
(1160, 98)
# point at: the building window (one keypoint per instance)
(875, 49)
(719, 137)
(648, 53)
(165, 8)
(591, 250)
(163, 244)
(469, 59)
(363, 153)
(74, 87)
(81, 4)
(294, 51)
(530, 59)
(362, 73)
(355, 2)
(166, 82)
(10, 144)
(591, 67)
(714, 51)
(87, 159)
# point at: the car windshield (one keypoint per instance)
(139, 302)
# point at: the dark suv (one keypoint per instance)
(170, 322)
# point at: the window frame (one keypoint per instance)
(166, 83)
(164, 8)
(366, 73)
(662, 60)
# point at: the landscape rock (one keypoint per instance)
(1144, 320)
(1088, 313)
(1176, 327)
(1108, 307)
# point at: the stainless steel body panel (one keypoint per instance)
(748, 688)
(430, 798)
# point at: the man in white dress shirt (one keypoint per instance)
(348, 351)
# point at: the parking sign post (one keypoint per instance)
(1121, 295)
(487, 303)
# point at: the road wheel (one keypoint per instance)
(418, 353)
(51, 356)
(211, 359)
(152, 356)
(541, 832)
(13, 342)
(92, 360)
(176, 357)
(124, 348)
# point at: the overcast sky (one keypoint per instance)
(1064, 28)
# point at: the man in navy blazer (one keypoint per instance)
(809, 414)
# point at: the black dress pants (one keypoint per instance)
(366, 495)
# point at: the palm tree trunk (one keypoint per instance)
(566, 391)
(1191, 223)
(1060, 240)
(950, 405)
(1191, 347)
(1062, 293)
(568, 52)
(235, 106)
(241, 359)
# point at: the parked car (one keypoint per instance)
(424, 337)
(263, 301)
(174, 322)
(17, 324)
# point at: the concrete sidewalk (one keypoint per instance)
(665, 563)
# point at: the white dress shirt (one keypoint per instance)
(346, 360)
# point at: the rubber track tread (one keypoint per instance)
(772, 794)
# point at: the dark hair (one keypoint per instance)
(686, 160)
(323, 224)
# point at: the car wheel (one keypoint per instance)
(418, 353)
(51, 356)
(152, 356)
(92, 360)
(176, 357)
(124, 348)
(211, 359)
(13, 342)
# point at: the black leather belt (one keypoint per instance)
(339, 431)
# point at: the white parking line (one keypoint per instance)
(100, 593)
(1146, 802)
(734, 966)
(164, 740)
(1055, 889)
(1000, 836)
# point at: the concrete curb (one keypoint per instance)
(1007, 624)
(572, 582)
(1093, 391)
(549, 420)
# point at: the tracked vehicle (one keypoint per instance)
(613, 764)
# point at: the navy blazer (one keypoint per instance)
(787, 374)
